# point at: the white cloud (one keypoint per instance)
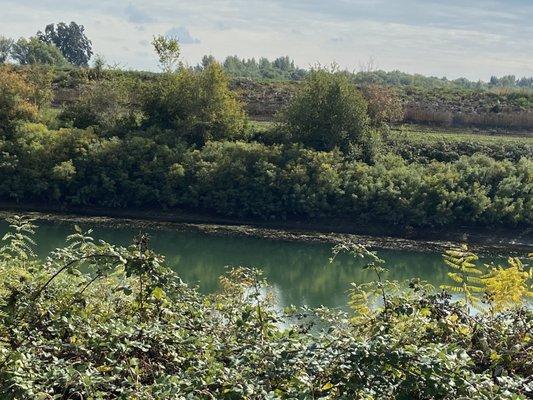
(183, 35)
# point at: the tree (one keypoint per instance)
(33, 51)
(70, 40)
(5, 48)
(328, 112)
(197, 106)
(168, 50)
(207, 60)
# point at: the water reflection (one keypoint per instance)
(299, 272)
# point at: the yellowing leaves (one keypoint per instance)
(508, 286)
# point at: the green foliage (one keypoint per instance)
(107, 105)
(70, 40)
(502, 287)
(195, 106)
(280, 69)
(508, 286)
(243, 179)
(168, 50)
(16, 95)
(34, 51)
(182, 140)
(425, 145)
(465, 274)
(100, 321)
(328, 112)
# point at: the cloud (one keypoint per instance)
(137, 16)
(183, 35)
(476, 38)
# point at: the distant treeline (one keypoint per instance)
(285, 69)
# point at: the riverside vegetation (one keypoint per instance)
(98, 321)
(182, 140)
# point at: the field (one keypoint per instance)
(423, 144)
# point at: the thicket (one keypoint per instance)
(99, 321)
(183, 141)
(253, 180)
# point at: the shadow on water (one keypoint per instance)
(300, 272)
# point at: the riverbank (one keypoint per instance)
(483, 241)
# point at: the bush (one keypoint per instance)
(424, 147)
(268, 182)
(16, 92)
(108, 105)
(384, 104)
(327, 113)
(195, 106)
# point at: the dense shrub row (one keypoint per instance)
(255, 180)
(182, 140)
(98, 321)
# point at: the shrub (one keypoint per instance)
(195, 106)
(328, 112)
(424, 147)
(108, 105)
(16, 93)
(384, 104)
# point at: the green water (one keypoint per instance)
(300, 273)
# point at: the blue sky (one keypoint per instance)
(470, 38)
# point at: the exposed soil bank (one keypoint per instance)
(518, 241)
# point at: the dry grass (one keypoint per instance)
(516, 120)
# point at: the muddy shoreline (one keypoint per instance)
(518, 243)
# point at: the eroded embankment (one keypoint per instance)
(518, 244)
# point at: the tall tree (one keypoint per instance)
(168, 50)
(5, 48)
(70, 40)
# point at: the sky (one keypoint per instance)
(468, 38)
